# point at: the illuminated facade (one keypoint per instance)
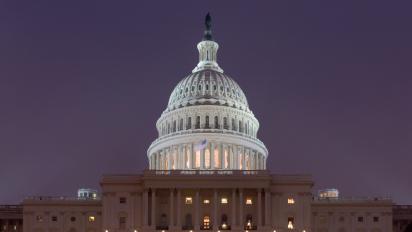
(207, 171)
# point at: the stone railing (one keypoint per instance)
(60, 198)
(205, 172)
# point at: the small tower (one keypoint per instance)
(207, 49)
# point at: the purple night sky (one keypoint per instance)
(82, 84)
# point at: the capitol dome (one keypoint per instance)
(208, 87)
(207, 124)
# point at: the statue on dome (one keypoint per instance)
(208, 25)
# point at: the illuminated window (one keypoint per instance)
(91, 219)
(39, 218)
(197, 159)
(206, 222)
(216, 157)
(174, 160)
(248, 201)
(206, 201)
(224, 200)
(187, 158)
(247, 161)
(291, 201)
(207, 158)
(290, 223)
(226, 158)
(188, 200)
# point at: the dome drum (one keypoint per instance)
(207, 117)
(193, 151)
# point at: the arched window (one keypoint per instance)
(174, 126)
(216, 122)
(233, 124)
(240, 127)
(189, 123)
(181, 124)
(225, 125)
(207, 122)
(197, 126)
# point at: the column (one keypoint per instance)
(178, 203)
(197, 227)
(214, 220)
(192, 157)
(212, 156)
(233, 208)
(202, 159)
(222, 156)
(236, 151)
(182, 157)
(145, 208)
(153, 218)
(171, 217)
(267, 207)
(241, 220)
(243, 158)
(232, 157)
(259, 193)
(169, 158)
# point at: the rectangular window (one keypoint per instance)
(216, 157)
(188, 200)
(122, 223)
(39, 218)
(54, 218)
(197, 159)
(249, 201)
(290, 223)
(226, 158)
(206, 201)
(291, 201)
(360, 219)
(122, 200)
(207, 158)
(375, 219)
(92, 218)
(224, 200)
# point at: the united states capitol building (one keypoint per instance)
(207, 171)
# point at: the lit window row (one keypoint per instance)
(72, 219)
(223, 200)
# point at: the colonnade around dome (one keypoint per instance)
(214, 156)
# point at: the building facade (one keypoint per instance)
(11, 218)
(207, 171)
